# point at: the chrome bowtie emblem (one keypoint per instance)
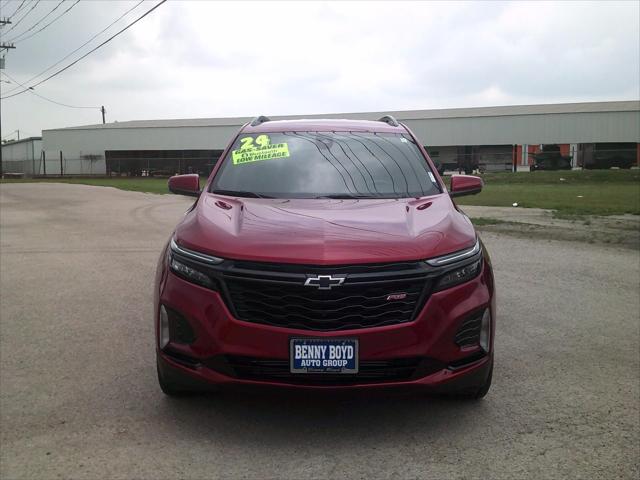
(324, 282)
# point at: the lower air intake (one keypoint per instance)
(468, 334)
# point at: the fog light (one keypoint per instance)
(485, 331)
(164, 328)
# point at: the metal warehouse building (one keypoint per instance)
(601, 134)
(22, 156)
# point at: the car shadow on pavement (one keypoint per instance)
(290, 419)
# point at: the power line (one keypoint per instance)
(24, 16)
(46, 25)
(29, 134)
(45, 98)
(18, 132)
(40, 21)
(17, 9)
(9, 134)
(80, 47)
(90, 51)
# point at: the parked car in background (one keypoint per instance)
(554, 163)
(550, 158)
(616, 155)
(325, 254)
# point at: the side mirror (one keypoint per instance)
(185, 184)
(465, 185)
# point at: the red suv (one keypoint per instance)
(325, 254)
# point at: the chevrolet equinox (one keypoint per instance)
(325, 254)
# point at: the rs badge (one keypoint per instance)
(396, 296)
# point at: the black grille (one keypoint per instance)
(398, 369)
(350, 306)
(468, 333)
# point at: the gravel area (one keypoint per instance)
(620, 230)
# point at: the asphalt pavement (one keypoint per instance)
(79, 398)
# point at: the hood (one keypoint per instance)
(325, 231)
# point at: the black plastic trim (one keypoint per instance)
(188, 193)
(259, 120)
(462, 193)
(182, 359)
(390, 120)
(467, 361)
(278, 370)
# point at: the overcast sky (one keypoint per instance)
(213, 59)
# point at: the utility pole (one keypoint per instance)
(3, 46)
(103, 112)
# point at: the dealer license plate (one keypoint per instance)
(321, 355)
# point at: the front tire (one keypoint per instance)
(481, 391)
(169, 388)
(484, 389)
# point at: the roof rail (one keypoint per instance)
(258, 120)
(390, 120)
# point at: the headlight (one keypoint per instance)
(192, 255)
(192, 266)
(459, 275)
(457, 267)
(191, 274)
(455, 257)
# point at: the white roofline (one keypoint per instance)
(22, 140)
(406, 115)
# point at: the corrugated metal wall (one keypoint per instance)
(76, 143)
(530, 129)
(22, 156)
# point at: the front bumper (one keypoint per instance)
(430, 336)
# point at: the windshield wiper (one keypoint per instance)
(345, 196)
(240, 193)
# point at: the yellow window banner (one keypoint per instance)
(259, 149)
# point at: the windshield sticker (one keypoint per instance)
(259, 148)
(433, 179)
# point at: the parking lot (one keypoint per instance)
(79, 398)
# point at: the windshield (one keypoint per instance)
(325, 164)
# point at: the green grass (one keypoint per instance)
(480, 221)
(563, 177)
(596, 192)
(569, 193)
